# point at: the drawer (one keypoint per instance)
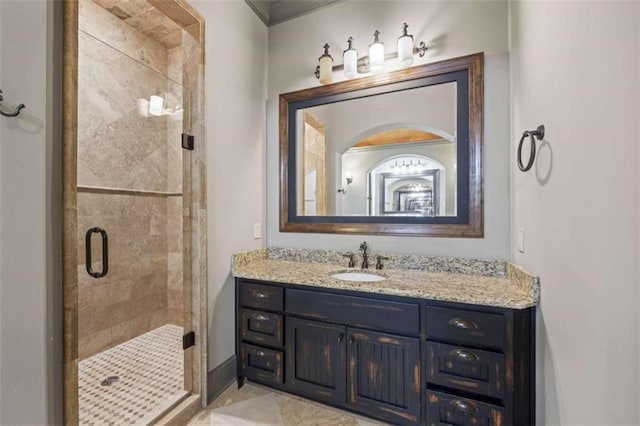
(465, 327)
(466, 369)
(260, 296)
(360, 312)
(444, 409)
(261, 327)
(261, 364)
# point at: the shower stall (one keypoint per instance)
(134, 201)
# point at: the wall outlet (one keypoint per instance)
(521, 240)
(256, 231)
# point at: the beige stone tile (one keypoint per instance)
(109, 120)
(298, 413)
(94, 343)
(233, 395)
(175, 316)
(173, 40)
(107, 26)
(175, 300)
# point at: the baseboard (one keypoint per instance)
(220, 378)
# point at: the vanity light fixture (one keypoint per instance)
(372, 63)
(326, 65)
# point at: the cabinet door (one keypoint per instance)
(384, 375)
(316, 360)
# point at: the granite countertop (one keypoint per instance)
(516, 289)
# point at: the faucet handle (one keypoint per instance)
(379, 260)
(364, 247)
(352, 261)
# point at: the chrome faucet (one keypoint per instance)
(365, 255)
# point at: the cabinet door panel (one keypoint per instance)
(384, 375)
(316, 359)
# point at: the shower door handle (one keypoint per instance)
(105, 252)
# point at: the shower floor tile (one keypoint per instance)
(150, 371)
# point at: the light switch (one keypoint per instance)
(256, 231)
(521, 240)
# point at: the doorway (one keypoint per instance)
(135, 212)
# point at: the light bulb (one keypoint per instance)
(376, 54)
(350, 60)
(405, 48)
(326, 66)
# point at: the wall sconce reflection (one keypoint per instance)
(155, 106)
(349, 179)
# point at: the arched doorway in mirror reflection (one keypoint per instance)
(398, 169)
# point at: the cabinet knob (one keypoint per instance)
(462, 323)
(261, 354)
(350, 340)
(261, 295)
(340, 337)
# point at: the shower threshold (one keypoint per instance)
(136, 382)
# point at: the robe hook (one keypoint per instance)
(10, 114)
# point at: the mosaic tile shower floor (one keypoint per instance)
(150, 368)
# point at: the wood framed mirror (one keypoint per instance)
(384, 137)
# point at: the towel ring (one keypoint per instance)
(10, 114)
(533, 135)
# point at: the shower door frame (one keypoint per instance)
(195, 226)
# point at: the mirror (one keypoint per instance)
(394, 154)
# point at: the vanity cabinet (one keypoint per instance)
(398, 359)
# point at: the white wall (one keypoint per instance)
(30, 323)
(235, 81)
(450, 29)
(576, 69)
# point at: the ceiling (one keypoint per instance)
(272, 12)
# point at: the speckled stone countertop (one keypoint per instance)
(497, 283)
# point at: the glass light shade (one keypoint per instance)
(350, 59)
(376, 57)
(405, 51)
(326, 71)
(156, 104)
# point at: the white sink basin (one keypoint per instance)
(357, 276)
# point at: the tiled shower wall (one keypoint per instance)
(120, 148)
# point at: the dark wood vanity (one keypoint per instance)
(397, 359)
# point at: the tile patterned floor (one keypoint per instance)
(254, 405)
(150, 368)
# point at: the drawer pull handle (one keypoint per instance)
(340, 337)
(262, 295)
(260, 317)
(261, 354)
(462, 323)
(464, 355)
(464, 406)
